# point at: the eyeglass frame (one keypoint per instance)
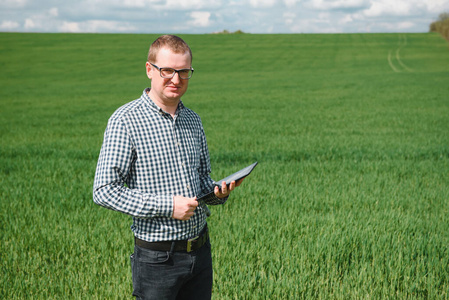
(175, 71)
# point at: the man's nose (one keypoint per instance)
(176, 78)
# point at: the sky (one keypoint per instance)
(209, 16)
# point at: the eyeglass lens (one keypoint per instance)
(169, 73)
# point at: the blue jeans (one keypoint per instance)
(177, 275)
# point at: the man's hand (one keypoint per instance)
(225, 191)
(183, 207)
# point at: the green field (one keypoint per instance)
(349, 201)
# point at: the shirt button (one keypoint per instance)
(188, 186)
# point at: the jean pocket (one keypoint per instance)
(150, 256)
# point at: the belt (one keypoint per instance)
(178, 246)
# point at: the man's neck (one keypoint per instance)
(167, 106)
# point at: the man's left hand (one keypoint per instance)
(225, 190)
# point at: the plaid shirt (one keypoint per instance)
(147, 157)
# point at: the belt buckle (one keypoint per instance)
(190, 242)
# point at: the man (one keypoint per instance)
(153, 164)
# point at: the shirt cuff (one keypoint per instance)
(165, 206)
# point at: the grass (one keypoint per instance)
(349, 199)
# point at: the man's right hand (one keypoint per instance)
(183, 207)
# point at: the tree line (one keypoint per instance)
(441, 25)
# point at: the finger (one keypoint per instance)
(224, 188)
(194, 204)
(232, 186)
(218, 192)
(239, 182)
(188, 215)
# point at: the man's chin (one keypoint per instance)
(174, 95)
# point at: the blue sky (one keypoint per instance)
(208, 16)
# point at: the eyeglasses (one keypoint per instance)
(170, 72)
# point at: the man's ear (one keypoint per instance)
(149, 70)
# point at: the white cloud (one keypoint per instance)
(437, 6)
(29, 24)
(291, 3)
(339, 4)
(120, 3)
(381, 8)
(95, 26)
(289, 18)
(9, 25)
(13, 3)
(204, 16)
(262, 3)
(405, 25)
(44, 20)
(346, 19)
(315, 25)
(134, 3)
(53, 12)
(189, 5)
(200, 18)
(70, 27)
(396, 26)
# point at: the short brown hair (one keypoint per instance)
(172, 42)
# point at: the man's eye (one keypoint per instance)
(167, 71)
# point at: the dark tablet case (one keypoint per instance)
(234, 177)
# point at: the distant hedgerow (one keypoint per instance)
(441, 25)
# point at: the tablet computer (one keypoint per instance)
(237, 175)
(233, 177)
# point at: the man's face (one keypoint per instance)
(168, 90)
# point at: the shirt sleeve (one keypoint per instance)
(207, 184)
(114, 164)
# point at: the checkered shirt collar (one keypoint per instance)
(157, 108)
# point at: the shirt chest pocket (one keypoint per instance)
(192, 147)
